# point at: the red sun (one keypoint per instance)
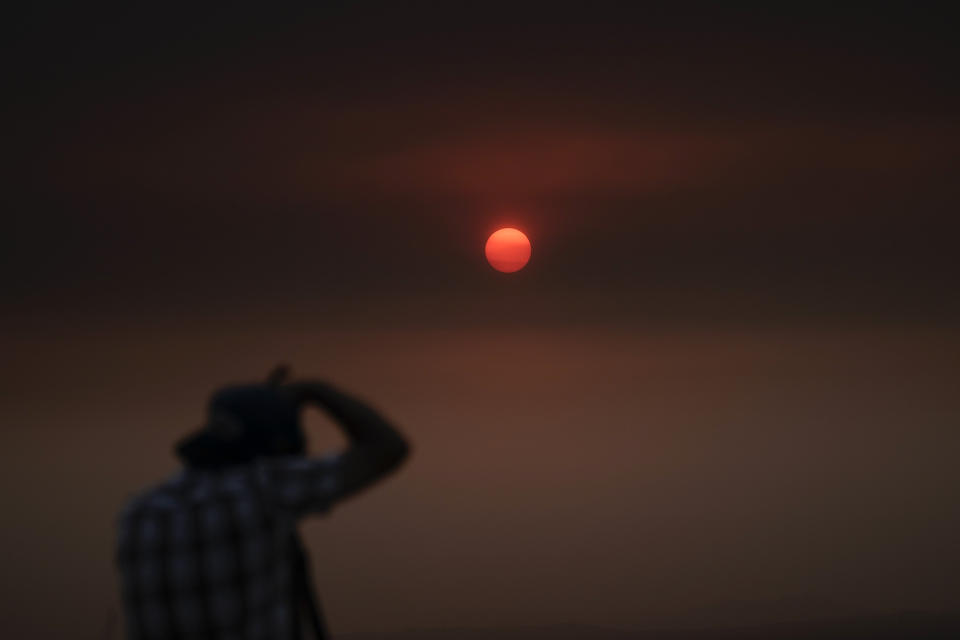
(508, 250)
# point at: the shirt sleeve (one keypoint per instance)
(302, 486)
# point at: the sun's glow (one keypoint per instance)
(508, 250)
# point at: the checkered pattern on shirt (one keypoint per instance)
(206, 553)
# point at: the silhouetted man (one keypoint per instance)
(212, 552)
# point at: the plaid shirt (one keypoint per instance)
(206, 554)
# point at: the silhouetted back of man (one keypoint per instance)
(212, 552)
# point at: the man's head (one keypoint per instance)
(246, 422)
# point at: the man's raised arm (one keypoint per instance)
(376, 447)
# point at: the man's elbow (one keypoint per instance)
(398, 450)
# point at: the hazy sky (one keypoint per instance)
(724, 388)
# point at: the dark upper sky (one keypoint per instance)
(723, 390)
(800, 161)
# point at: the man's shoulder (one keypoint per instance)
(190, 488)
(159, 495)
(266, 467)
(260, 480)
